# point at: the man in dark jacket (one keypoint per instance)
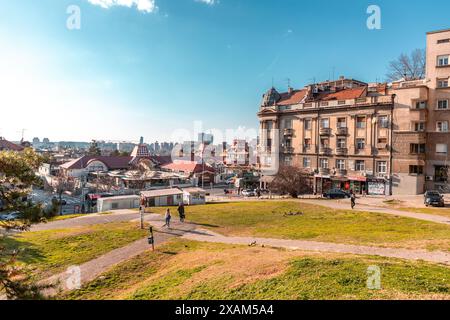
(181, 212)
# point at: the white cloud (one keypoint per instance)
(209, 2)
(142, 5)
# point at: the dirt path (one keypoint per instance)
(431, 256)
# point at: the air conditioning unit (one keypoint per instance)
(429, 178)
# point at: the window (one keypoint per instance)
(360, 144)
(288, 123)
(415, 169)
(381, 166)
(324, 142)
(288, 161)
(323, 163)
(415, 148)
(443, 41)
(360, 122)
(307, 124)
(269, 125)
(360, 165)
(442, 61)
(442, 104)
(307, 144)
(340, 164)
(442, 83)
(442, 126)
(341, 143)
(324, 123)
(383, 121)
(341, 123)
(441, 148)
(419, 126)
(421, 104)
(306, 163)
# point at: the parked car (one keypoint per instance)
(10, 216)
(434, 198)
(249, 193)
(336, 194)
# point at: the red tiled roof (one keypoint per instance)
(346, 94)
(9, 146)
(113, 163)
(188, 167)
(295, 97)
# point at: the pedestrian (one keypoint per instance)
(168, 217)
(352, 200)
(181, 212)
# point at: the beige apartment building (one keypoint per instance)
(378, 139)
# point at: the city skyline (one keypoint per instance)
(114, 78)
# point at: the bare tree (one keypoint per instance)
(293, 181)
(410, 67)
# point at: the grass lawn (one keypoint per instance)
(268, 219)
(194, 270)
(48, 252)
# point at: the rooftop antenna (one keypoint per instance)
(272, 81)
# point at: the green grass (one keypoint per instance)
(268, 219)
(65, 217)
(51, 251)
(195, 270)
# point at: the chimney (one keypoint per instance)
(290, 90)
(341, 78)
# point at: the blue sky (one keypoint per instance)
(156, 69)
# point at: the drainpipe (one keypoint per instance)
(391, 132)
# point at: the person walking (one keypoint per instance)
(352, 199)
(168, 216)
(181, 212)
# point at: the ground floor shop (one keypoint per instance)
(359, 185)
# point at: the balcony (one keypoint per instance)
(288, 132)
(287, 150)
(382, 146)
(342, 131)
(307, 148)
(325, 131)
(341, 172)
(325, 149)
(341, 151)
(324, 171)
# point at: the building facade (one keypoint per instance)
(378, 139)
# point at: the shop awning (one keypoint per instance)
(357, 178)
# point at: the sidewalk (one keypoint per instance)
(345, 205)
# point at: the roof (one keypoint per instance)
(346, 94)
(112, 162)
(295, 97)
(194, 190)
(161, 193)
(9, 146)
(119, 198)
(438, 31)
(188, 166)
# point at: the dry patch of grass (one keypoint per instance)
(195, 270)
